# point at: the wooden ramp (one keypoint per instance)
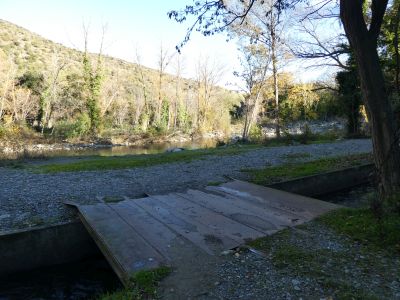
(138, 234)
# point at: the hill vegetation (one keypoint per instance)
(49, 90)
(65, 93)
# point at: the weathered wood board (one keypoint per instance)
(138, 234)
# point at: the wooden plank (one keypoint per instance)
(265, 219)
(226, 226)
(153, 231)
(124, 248)
(254, 204)
(305, 207)
(146, 233)
(208, 238)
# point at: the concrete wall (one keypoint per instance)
(39, 247)
(327, 183)
(45, 246)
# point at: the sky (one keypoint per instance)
(131, 25)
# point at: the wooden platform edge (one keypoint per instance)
(118, 269)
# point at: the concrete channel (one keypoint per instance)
(45, 246)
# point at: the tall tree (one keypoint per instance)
(350, 96)
(363, 36)
(362, 26)
(93, 78)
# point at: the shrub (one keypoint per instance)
(256, 134)
(77, 128)
(2, 131)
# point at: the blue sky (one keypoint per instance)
(132, 24)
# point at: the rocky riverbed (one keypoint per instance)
(29, 199)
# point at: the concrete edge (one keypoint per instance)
(28, 249)
(329, 182)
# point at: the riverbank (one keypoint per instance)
(20, 142)
(27, 147)
(31, 199)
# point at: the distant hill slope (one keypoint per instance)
(29, 50)
(127, 87)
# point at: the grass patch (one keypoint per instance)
(293, 157)
(329, 268)
(12, 164)
(141, 161)
(142, 285)
(113, 199)
(284, 254)
(363, 227)
(215, 183)
(321, 265)
(288, 171)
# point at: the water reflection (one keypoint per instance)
(133, 150)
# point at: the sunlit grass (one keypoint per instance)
(362, 226)
(141, 161)
(363, 236)
(292, 170)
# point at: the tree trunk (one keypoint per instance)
(251, 114)
(160, 100)
(364, 42)
(275, 75)
(396, 48)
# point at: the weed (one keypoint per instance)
(295, 156)
(325, 265)
(142, 285)
(362, 226)
(113, 199)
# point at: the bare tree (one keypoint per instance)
(362, 26)
(208, 75)
(8, 73)
(110, 92)
(22, 104)
(178, 70)
(143, 110)
(164, 59)
(255, 60)
(51, 94)
(268, 29)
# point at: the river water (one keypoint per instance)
(82, 280)
(130, 150)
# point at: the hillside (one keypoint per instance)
(49, 90)
(30, 51)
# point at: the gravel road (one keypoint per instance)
(28, 199)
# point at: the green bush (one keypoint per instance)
(255, 134)
(72, 129)
(2, 131)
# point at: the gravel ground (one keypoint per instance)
(29, 199)
(345, 271)
(333, 267)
